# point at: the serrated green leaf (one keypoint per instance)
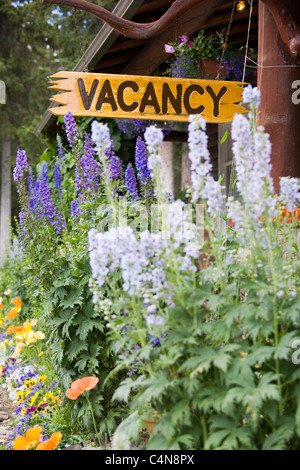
(75, 347)
(87, 325)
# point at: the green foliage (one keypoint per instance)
(217, 366)
(220, 370)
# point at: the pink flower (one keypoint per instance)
(183, 38)
(190, 45)
(169, 49)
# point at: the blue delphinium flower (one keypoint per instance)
(203, 184)
(130, 182)
(141, 161)
(71, 129)
(115, 162)
(115, 167)
(289, 192)
(89, 164)
(60, 152)
(100, 136)
(58, 180)
(75, 209)
(21, 165)
(133, 127)
(44, 206)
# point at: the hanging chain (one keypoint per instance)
(224, 45)
(80, 40)
(247, 42)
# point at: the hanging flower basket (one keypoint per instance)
(210, 69)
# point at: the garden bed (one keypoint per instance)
(118, 323)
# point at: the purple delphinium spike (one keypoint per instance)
(115, 167)
(21, 165)
(44, 172)
(89, 164)
(130, 182)
(75, 208)
(48, 208)
(22, 220)
(58, 180)
(60, 152)
(115, 163)
(141, 161)
(46, 200)
(71, 129)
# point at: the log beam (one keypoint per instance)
(277, 72)
(129, 28)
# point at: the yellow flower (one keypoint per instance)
(41, 353)
(33, 398)
(30, 337)
(20, 395)
(20, 337)
(27, 327)
(39, 335)
(34, 322)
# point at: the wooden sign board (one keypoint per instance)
(138, 97)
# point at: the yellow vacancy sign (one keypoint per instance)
(138, 97)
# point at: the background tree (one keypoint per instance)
(36, 40)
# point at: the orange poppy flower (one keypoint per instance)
(1, 306)
(13, 312)
(31, 439)
(80, 385)
(18, 329)
(14, 329)
(10, 329)
(50, 443)
(289, 217)
(17, 301)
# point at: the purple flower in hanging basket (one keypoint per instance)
(169, 49)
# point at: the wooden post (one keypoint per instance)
(276, 75)
(185, 168)
(5, 215)
(167, 173)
